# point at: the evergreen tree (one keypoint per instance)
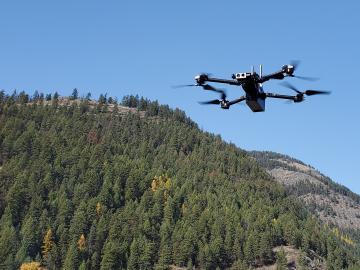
(134, 255)
(281, 261)
(72, 258)
(55, 96)
(75, 94)
(8, 246)
(36, 96)
(102, 99)
(110, 257)
(82, 266)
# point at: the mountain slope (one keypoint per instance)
(97, 186)
(332, 203)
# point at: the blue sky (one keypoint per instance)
(145, 47)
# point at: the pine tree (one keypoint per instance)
(8, 244)
(164, 257)
(281, 261)
(81, 243)
(134, 255)
(75, 94)
(55, 99)
(302, 261)
(110, 259)
(146, 256)
(82, 266)
(239, 265)
(265, 247)
(102, 99)
(36, 96)
(55, 96)
(23, 98)
(48, 243)
(72, 258)
(29, 244)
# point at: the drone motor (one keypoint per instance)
(288, 69)
(201, 78)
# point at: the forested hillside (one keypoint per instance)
(94, 185)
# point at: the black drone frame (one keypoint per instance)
(252, 85)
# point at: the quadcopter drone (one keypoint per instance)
(251, 82)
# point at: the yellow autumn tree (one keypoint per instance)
(98, 209)
(48, 243)
(81, 243)
(161, 182)
(183, 209)
(347, 239)
(30, 266)
(154, 184)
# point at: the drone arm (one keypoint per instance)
(279, 75)
(273, 95)
(231, 82)
(242, 98)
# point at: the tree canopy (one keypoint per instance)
(85, 186)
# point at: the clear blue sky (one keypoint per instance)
(145, 47)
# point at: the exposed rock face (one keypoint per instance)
(331, 202)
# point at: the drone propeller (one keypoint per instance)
(183, 85)
(316, 92)
(214, 101)
(212, 88)
(208, 74)
(306, 92)
(295, 64)
(311, 79)
(205, 87)
(290, 86)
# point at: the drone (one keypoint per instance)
(251, 82)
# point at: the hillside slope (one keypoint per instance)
(96, 186)
(332, 203)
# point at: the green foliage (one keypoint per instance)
(281, 261)
(75, 94)
(141, 190)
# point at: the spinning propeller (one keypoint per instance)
(222, 92)
(295, 64)
(205, 87)
(300, 95)
(225, 104)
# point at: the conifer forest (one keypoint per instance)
(133, 184)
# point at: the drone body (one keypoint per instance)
(251, 82)
(255, 96)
